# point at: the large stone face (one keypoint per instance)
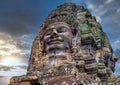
(70, 49)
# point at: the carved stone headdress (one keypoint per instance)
(82, 24)
(63, 13)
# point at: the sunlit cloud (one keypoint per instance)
(10, 61)
(12, 70)
(4, 80)
(14, 55)
(10, 52)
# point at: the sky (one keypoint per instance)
(20, 21)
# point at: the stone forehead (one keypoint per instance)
(53, 25)
(58, 24)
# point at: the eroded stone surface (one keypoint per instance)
(70, 49)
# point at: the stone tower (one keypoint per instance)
(70, 49)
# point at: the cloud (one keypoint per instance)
(5, 68)
(20, 17)
(17, 25)
(117, 68)
(118, 11)
(108, 1)
(14, 54)
(25, 41)
(97, 9)
(10, 71)
(116, 44)
(10, 48)
(12, 68)
(91, 6)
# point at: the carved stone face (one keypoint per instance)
(57, 41)
(57, 37)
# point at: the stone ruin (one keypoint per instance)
(70, 49)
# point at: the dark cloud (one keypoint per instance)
(24, 42)
(5, 68)
(16, 25)
(19, 17)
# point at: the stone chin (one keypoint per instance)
(58, 59)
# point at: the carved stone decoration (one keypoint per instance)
(70, 49)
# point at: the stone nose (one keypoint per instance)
(54, 33)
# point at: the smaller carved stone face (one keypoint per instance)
(57, 36)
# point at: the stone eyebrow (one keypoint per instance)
(47, 30)
(59, 27)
